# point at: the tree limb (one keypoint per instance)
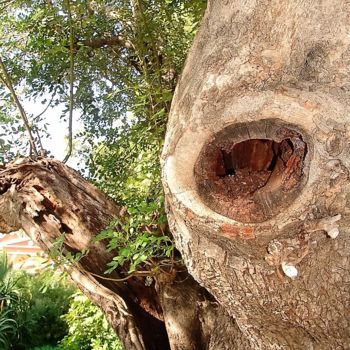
(6, 79)
(71, 85)
(39, 210)
(97, 43)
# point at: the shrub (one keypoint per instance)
(8, 328)
(48, 297)
(10, 304)
(38, 312)
(88, 328)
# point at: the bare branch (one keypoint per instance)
(46, 108)
(117, 40)
(71, 85)
(5, 4)
(6, 79)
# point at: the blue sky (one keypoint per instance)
(57, 129)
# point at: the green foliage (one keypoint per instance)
(30, 308)
(9, 304)
(5, 123)
(88, 328)
(139, 71)
(125, 163)
(47, 298)
(37, 312)
(61, 257)
(8, 329)
(138, 238)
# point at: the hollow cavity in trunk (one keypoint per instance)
(251, 179)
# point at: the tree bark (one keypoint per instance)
(46, 199)
(256, 169)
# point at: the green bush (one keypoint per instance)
(39, 311)
(47, 296)
(10, 304)
(8, 328)
(88, 328)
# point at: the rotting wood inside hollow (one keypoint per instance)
(251, 180)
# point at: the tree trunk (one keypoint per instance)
(256, 169)
(47, 199)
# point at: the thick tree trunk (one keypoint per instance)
(256, 169)
(47, 199)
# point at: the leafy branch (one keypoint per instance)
(138, 240)
(63, 257)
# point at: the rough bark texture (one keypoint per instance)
(265, 71)
(46, 199)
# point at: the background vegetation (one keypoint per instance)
(88, 328)
(45, 312)
(46, 298)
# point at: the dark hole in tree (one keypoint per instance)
(65, 229)
(252, 180)
(250, 164)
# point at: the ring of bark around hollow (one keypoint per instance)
(252, 179)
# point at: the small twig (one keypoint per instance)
(39, 141)
(47, 106)
(5, 4)
(141, 273)
(6, 79)
(136, 273)
(39, 115)
(71, 85)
